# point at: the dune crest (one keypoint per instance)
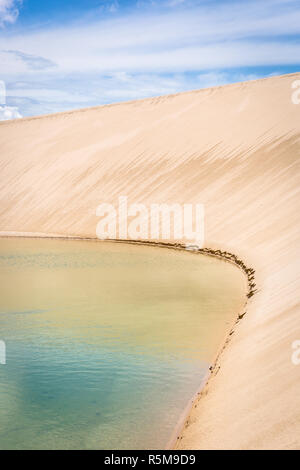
(234, 149)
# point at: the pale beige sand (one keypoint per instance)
(236, 149)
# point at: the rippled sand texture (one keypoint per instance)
(235, 149)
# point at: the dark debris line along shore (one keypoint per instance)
(250, 273)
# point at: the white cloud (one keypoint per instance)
(9, 112)
(9, 11)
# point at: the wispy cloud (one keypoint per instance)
(143, 52)
(9, 11)
(240, 34)
(33, 62)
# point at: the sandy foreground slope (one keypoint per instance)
(235, 149)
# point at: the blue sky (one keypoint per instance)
(57, 55)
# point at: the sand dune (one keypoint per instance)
(235, 149)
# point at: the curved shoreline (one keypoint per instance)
(222, 255)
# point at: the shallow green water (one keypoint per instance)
(106, 343)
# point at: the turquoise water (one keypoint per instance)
(106, 343)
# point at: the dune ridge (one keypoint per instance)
(234, 149)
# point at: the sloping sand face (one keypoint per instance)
(234, 149)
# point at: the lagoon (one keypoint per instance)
(106, 343)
